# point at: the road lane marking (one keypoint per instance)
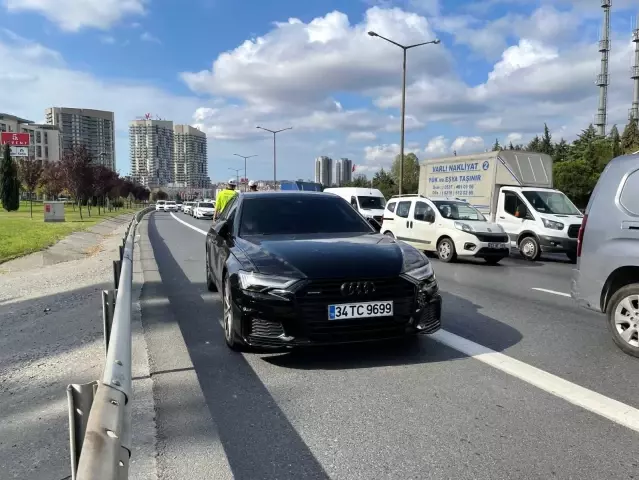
(203, 232)
(561, 294)
(594, 402)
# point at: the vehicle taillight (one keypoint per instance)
(580, 237)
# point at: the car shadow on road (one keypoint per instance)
(459, 316)
(258, 439)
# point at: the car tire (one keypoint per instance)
(493, 260)
(617, 321)
(230, 334)
(210, 283)
(572, 256)
(446, 250)
(529, 249)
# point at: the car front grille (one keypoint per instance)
(492, 237)
(314, 299)
(573, 231)
(265, 329)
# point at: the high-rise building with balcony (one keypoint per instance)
(152, 152)
(324, 171)
(95, 129)
(190, 167)
(343, 171)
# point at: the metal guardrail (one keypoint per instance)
(100, 411)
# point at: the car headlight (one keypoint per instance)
(257, 282)
(464, 227)
(421, 273)
(552, 224)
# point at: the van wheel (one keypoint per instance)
(529, 249)
(446, 250)
(623, 319)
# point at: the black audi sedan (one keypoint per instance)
(305, 268)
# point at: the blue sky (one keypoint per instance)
(503, 69)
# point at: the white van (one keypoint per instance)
(449, 226)
(370, 202)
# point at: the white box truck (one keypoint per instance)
(513, 189)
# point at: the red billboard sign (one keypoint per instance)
(15, 139)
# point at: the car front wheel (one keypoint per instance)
(230, 334)
(623, 319)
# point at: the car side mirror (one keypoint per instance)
(223, 229)
(375, 224)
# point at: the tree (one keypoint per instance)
(384, 182)
(9, 183)
(103, 179)
(29, 172)
(511, 146)
(577, 179)
(561, 151)
(77, 173)
(630, 137)
(615, 139)
(360, 181)
(496, 146)
(51, 181)
(411, 172)
(546, 145)
(534, 145)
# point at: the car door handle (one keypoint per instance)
(503, 218)
(411, 224)
(407, 224)
(630, 225)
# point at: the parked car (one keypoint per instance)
(303, 268)
(452, 228)
(606, 278)
(170, 206)
(159, 205)
(204, 210)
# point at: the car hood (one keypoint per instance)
(326, 256)
(565, 219)
(373, 212)
(483, 227)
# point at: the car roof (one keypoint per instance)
(285, 194)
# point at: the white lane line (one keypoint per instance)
(203, 232)
(592, 401)
(561, 294)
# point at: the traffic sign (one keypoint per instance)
(15, 139)
(19, 151)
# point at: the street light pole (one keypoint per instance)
(405, 48)
(245, 177)
(274, 132)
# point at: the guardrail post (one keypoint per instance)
(117, 268)
(80, 400)
(121, 251)
(108, 308)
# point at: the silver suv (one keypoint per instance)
(606, 278)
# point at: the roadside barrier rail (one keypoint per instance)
(100, 411)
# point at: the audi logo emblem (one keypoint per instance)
(350, 289)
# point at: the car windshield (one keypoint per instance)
(205, 205)
(298, 215)
(458, 211)
(555, 202)
(371, 203)
(170, 203)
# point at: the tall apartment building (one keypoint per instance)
(44, 139)
(343, 171)
(190, 167)
(324, 171)
(95, 129)
(152, 151)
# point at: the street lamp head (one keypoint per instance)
(372, 34)
(437, 41)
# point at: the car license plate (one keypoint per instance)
(346, 311)
(497, 245)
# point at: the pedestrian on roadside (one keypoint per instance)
(224, 197)
(252, 186)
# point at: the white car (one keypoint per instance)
(188, 208)
(204, 210)
(159, 205)
(451, 227)
(170, 206)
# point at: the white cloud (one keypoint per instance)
(467, 145)
(437, 146)
(361, 136)
(107, 39)
(74, 15)
(148, 37)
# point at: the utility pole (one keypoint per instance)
(274, 132)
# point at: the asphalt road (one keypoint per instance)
(382, 412)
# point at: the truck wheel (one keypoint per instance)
(623, 319)
(529, 249)
(446, 250)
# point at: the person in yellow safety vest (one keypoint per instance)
(252, 186)
(224, 197)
